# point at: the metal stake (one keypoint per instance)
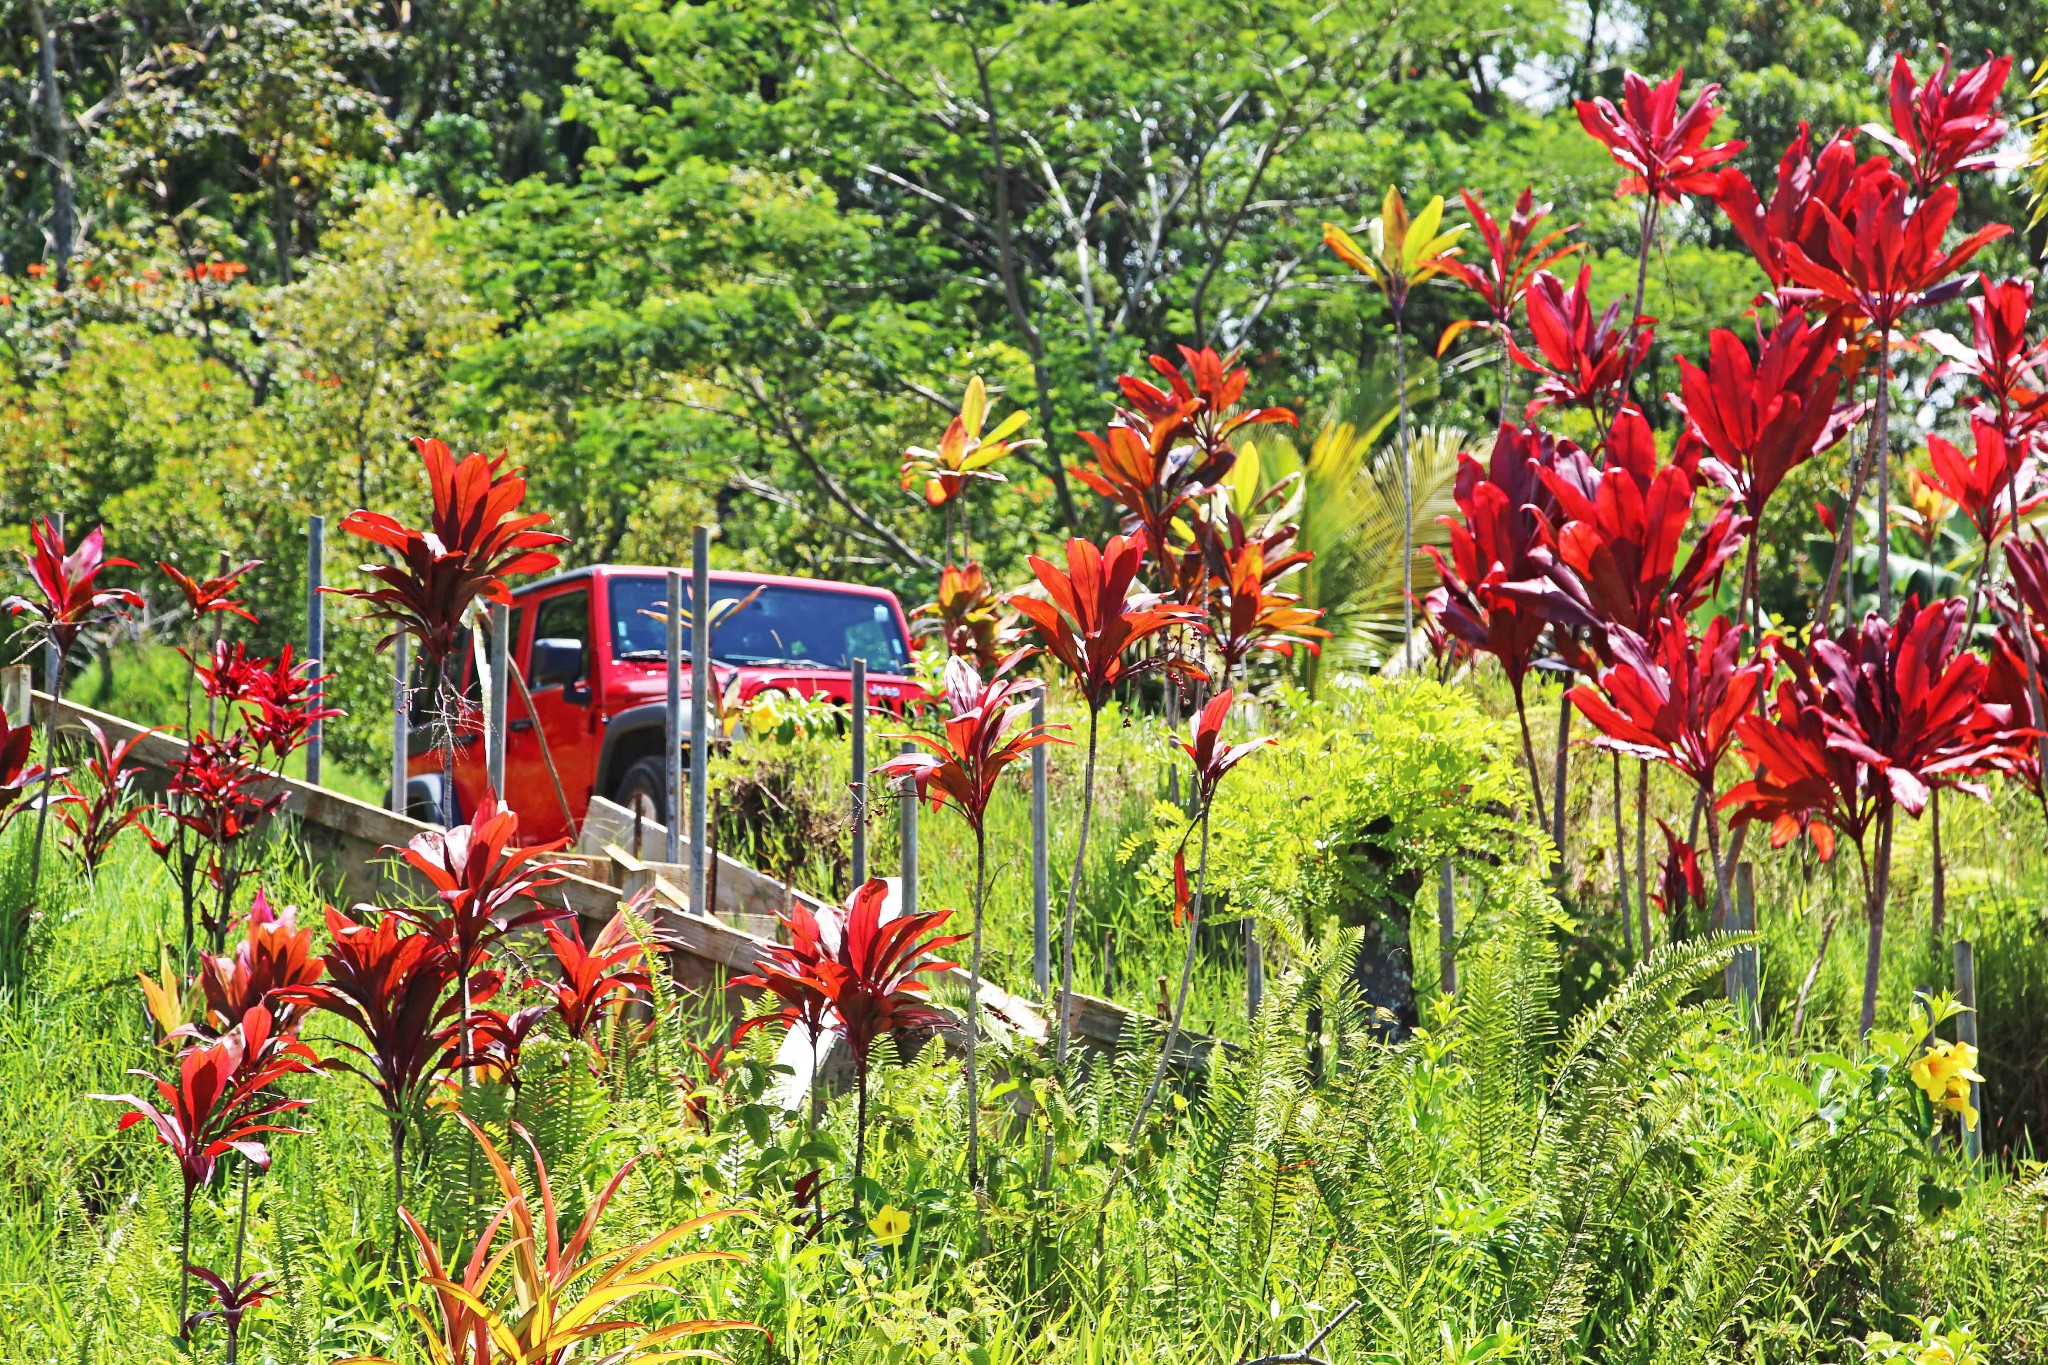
(1966, 1032)
(501, 691)
(672, 812)
(860, 771)
(316, 633)
(1742, 972)
(701, 683)
(1446, 930)
(401, 722)
(1041, 890)
(907, 805)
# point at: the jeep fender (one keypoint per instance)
(632, 734)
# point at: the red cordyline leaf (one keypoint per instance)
(2006, 366)
(1664, 152)
(274, 955)
(227, 672)
(1234, 575)
(394, 982)
(1512, 260)
(1172, 444)
(1585, 359)
(1682, 886)
(1887, 257)
(1089, 619)
(232, 1299)
(475, 542)
(1762, 417)
(1940, 127)
(1211, 757)
(17, 774)
(965, 762)
(612, 969)
(853, 973)
(2005, 685)
(96, 818)
(287, 699)
(965, 617)
(217, 783)
(1985, 482)
(1873, 721)
(1616, 556)
(1805, 182)
(1676, 703)
(208, 595)
(479, 872)
(224, 1095)
(66, 598)
(1504, 512)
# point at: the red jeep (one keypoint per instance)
(592, 647)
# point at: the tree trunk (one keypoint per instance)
(56, 149)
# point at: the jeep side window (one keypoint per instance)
(564, 619)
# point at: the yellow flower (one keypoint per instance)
(1944, 1073)
(889, 1225)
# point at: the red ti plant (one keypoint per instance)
(65, 599)
(593, 979)
(2005, 364)
(964, 617)
(1249, 611)
(95, 819)
(1502, 279)
(860, 976)
(1805, 182)
(1944, 126)
(214, 786)
(1888, 259)
(275, 955)
(17, 774)
(287, 705)
(1209, 398)
(1663, 152)
(392, 981)
(1762, 417)
(987, 729)
(222, 1101)
(1993, 485)
(480, 872)
(1212, 760)
(475, 540)
(965, 453)
(233, 1297)
(208, 597)
(1586, 361)
(1676, 702)
(1682, 887)
(1905, 704)
(1089, 621)
(1505, 510)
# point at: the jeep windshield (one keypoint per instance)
(780, 627)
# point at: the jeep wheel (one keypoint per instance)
(643, 789)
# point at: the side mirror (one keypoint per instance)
(557, 661)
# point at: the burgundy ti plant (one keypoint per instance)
(93, 818)
(1586, 360)
(987, 729)
(1504, 512)
(394, 983)
(275, 955)
(223, 1100)
(1502, 279)
(475, 539)
(1664, 154)
(480, 873)
(1805, 182)
(595, 979)
(1945, 125)
(1212, 759)
(65, 598)
(862, 974)
(1090, 621)
(1676, 702)
(221, 795)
